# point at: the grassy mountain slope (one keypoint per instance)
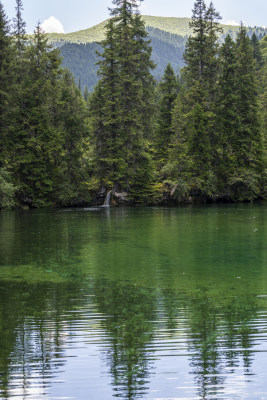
(173, 25)
(90, 35)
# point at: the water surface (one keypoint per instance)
(147, 303)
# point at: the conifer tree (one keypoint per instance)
(36, 137)
(263, 107)
(86, 93)
(68, 163)
(168, 88)
(248, 144)
(257, 55)
(6, 82)
(125, 86)
(7, 189)
(202, 46)
(201, 74)
(108, 148)
(228, 114)
(19, 28)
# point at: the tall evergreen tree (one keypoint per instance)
(257, 54)
(228, 114)
(35, 135)
(263, 104)
(7, 189)
(201, 74)
(108, 148)
(201, 49)
(125, 86)
(168, 89)
(6, 82)
(68, 162)
(86, 93)
(19, 27)
(248, 144)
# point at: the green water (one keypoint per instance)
(153, 303)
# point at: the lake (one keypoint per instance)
(134, 303)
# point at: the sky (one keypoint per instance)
(72, 15)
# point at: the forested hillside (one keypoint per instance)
(168, 38)
(81, 59)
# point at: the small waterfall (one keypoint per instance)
(107, 199)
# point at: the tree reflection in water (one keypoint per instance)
(129, 314)
(35, 321)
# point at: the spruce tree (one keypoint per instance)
(168, 89)
(6, 83)
(201, 75)
(68, 163)
(35, 134)
(263, 107)
(125, 86)
(104, 106)
(86, 94)
(7, 188)
(19, 28)
(228, 114)
(201, 48)
(248, 144)
(257, 54)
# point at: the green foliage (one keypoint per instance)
(36, 137)
(6, 83)
(70, 165)
(168, 89)
(217, 147)
(120, 105)
(249, 136)
(196, 126)
(257, 54)
(244, 184)
(7, 190)
(42, 125)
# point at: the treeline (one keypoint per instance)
(196, 136)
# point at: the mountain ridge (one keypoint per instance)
(173, 25)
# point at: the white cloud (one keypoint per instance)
(52, 25)
(232, 22)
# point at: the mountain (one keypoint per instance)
(168, 38)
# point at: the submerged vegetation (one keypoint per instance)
(197, 136)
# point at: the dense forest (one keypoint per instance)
(81, 58)
(199, 136)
